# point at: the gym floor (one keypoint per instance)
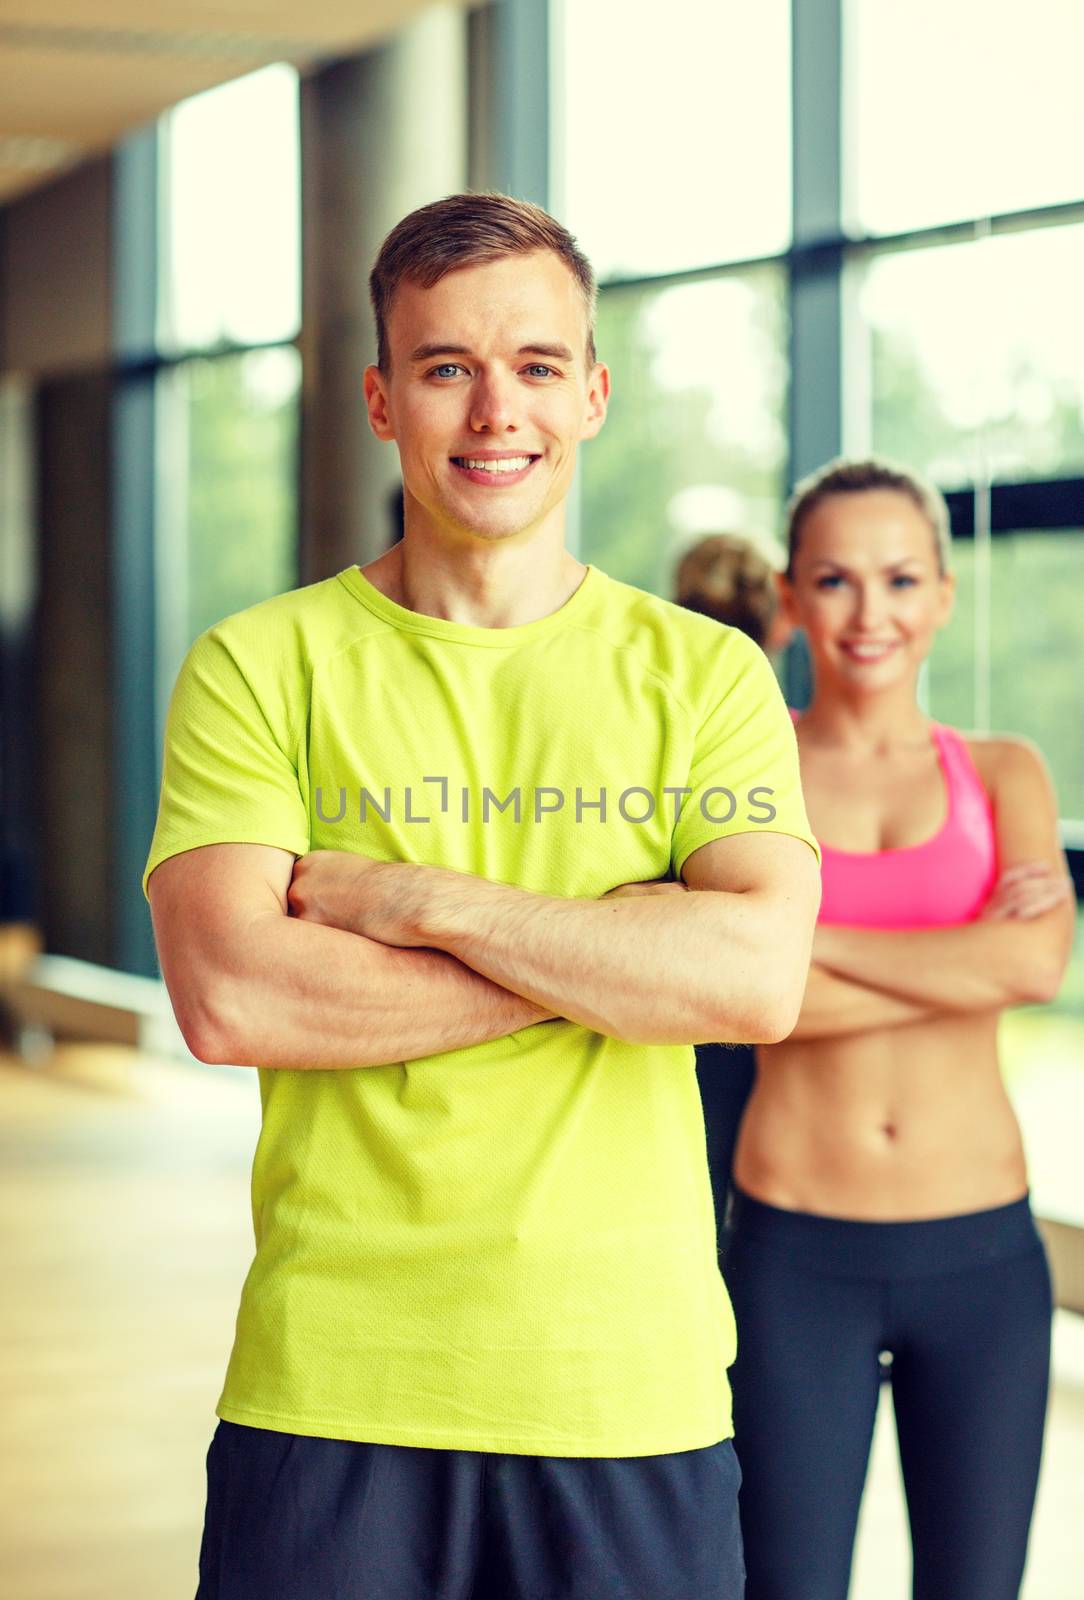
(125, 1233)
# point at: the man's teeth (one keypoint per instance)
(869, 651)
(509, 464)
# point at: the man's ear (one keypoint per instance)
(598, 398)
(376, 399)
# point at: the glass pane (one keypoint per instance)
(1041, 1049)
(1037, 665)
(963, 109)
(1037, 651)
(231, 247)
(227, 490)
(674, 131)
(1037, 689)
(950, 673)
(977, 355)
(695, 439)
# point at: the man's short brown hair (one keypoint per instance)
(465, 230)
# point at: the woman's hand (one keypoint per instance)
(1025, 891)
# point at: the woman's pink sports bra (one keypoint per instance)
(935, 884)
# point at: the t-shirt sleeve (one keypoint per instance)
(228, 776)
(743, 776)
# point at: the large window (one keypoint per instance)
(967, 362)
(227, 485)
(972, 375)
(675, 132)
(230, 215)
(959, 339)
(1025, 671)
(227, 416)
(696, 437)
(1041, 1055)
(676, 162)
(963, 109)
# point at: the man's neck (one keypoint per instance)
(495, 586)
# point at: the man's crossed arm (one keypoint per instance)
(392, 961)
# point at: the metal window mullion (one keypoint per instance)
(815, 412)
(511, 53)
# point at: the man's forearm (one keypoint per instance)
(317, 997)
(680, 969)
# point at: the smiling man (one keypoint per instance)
(464, 850)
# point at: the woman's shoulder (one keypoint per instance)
(1001, 757)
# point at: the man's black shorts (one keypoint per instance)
(291, 1518)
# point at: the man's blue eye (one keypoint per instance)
(903, 578)
(538, 367)
(447, 369)
(829, 581)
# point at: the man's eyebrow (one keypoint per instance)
(426, 352)
(556, 352)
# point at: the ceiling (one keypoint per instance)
(76, 75)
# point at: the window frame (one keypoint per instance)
(143, 631)
(823, 252)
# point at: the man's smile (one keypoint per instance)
(495, 469)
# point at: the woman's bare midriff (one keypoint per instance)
(903, 1124)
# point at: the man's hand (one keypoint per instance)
(383, 900)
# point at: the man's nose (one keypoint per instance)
(494, 405)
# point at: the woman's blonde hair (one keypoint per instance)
(858, 477)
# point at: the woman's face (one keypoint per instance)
(866, 588)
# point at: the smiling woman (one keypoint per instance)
(881, 1218)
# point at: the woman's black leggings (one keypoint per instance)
(961, 1305)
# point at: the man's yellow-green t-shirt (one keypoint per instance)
(509, 1247)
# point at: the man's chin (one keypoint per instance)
(497, 526)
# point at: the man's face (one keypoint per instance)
(489, 393)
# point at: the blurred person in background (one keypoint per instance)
(880, 1217)
(727, 577)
